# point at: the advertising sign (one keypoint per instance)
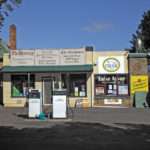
(22, 57)
(47, 57)
(113, 101)
(139, 83)
(112, 64)
(73, 56)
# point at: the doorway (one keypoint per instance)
(47, 91)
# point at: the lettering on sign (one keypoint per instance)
(47, 57)
(22, 57)
(72, 56)
(113, 101)
(139, 83)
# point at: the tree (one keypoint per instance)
(143, 34)
(7, 6)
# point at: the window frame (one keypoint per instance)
(26, 78)
(69, 90)
(117, 84)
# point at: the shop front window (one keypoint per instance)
(19, 86)
(111, 85)
(78, 85)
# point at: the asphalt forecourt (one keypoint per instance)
(96, 128)
(18, 117)
(76, 136)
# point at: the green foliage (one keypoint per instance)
(143, 32)
(7, 6)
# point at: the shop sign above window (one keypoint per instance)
(111, 64)
(48, 57)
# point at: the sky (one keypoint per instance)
(103, 24)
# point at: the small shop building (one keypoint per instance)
(95, 78)
(45, 70)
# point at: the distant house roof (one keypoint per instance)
(3, 48)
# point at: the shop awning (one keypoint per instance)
(36, 69)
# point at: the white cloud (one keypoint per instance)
(97, 27)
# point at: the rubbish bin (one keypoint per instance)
(140, 99)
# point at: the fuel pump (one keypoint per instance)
(59, 109)
(35, 106)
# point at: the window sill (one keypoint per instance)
(77, 96)
(18, 97)
(111, 96)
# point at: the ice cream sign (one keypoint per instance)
(111, 64)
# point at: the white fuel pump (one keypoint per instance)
(35, 107)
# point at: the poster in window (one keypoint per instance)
(123, 90)
(76, 91)
(99, 90)
(110, 87)
(110, 91)
(114, 87)
(82, 93)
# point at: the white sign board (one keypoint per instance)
(22, 58)
(73, 56)
(113, 101)
(112, 64)
(47, 57)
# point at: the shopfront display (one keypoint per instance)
(111, 82)
(19, 85)
(78, 85)
(111, 85)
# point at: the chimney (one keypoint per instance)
(12, 37)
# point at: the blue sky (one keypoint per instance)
(104, 24)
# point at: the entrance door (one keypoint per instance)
(47, 91)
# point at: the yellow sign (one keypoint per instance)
(139, 84)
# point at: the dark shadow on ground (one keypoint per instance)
(76, 136)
